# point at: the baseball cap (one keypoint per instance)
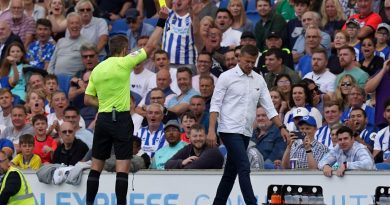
(172, 123)
(308, 120)
(273, 34)
(385, 26)
(353, 21)
(132, 14)
(248, 34)
(299, 112)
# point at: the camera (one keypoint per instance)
(300, 135)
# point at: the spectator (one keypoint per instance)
(356, 99)
(308, 151)
(157, 96)
(300, 97)
(20, 24)
(27, 159)
(196, 155)
(312, 42)
(349, 154)
(198, 107)
(89, 54)
(275, 66)
(35, 103)
(213, 46)
(172, 135)
(40, 51)
(332, 116)
(7, 146)
(314, 19)
(270, 22)
(94, 30)
(12, 67)
(137, 150)
(386, 16)
(201, 31)
(7, 9)
(240, 20)
(6, 100)
(31, 9)
(367, 19)
(286, 9)
(56, 15)
(347, 58)
(66, 59)
(137, 28)
(113, 10)
(72, 115)
(44, 144)
(341, 39)
(274, 40)
(333, 17)
(343, 90)
(19, 126)
(279, 102)
(333, 134)
(181, 53)
(187, 119)
(208, 8)
(363, 133)
(268, 140)
(155, 128)
(142, 80)
(320, 74)
(371, 62)
(51, 86)
(203, 66)
(379, 83)
(294, 26)
(382, 36)
(318, 97)
(71, 150)
(6, 38)
(230, 59)
(382, 139)
(223, 21)
(353, 28)
(161, 61)
(206, 87)
(35, 82)
(284, 84)
(180, 103)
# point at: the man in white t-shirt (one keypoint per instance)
(320, 74)
(203, 66)
(142, 80)
(224, 21)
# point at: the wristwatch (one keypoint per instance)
(282, 126)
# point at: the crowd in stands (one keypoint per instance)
(325, 64)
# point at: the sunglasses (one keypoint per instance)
(67, 132)
(346, 84)
(85, 10)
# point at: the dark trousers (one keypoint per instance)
(237, 163)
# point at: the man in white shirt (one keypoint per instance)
(223, 21)
(203, 66)
(234, 102)
(142, 80)
(320, 74)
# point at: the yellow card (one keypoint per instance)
(162, 3)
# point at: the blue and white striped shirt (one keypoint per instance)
(178, 39)
(323, 136)
(152, 141)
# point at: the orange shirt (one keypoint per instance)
(184, 138)
(38, 149)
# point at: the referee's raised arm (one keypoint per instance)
(157, 33)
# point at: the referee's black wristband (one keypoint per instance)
(161, 22)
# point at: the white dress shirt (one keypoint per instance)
(235, 98)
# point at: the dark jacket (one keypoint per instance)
(72, 156)
(12, 38)
(209, 158)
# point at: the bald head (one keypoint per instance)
(310, 18)
(5, 31)
(163, 79)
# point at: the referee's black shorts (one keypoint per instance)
(108, 133)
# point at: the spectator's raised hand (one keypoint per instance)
(11, 60)
(290, 139)
(164, 12)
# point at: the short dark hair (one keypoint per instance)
(206, 77)
(344, 129)
(187, 114)
(198, 97)
(322, 51)
(117, 44)
(224, 10)
(205, 53)
(307, 2)
(275, 51)
(269, 3)
(387, 103)
(308, 98)
(350, 48)
(249, 49)
(160, 51)
(20, 107)
(44, 22)
(278, 77)
(359, 108)
(72, 108)
(39, 117)
(51, 77)
(197, 127)
(331, 103)
(184, 69)
(26, 139)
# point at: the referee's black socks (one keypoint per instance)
(121, 187)
(92, 186)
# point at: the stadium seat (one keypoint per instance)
(253, 16)
(151, 21)
(64, 83)
(118, 27)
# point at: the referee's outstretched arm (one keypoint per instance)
(157, 33)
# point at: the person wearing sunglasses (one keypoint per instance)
(72, 115)
(72, 150)
(343, 89)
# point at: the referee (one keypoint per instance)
(109, 89)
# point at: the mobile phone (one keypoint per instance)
(300, 135)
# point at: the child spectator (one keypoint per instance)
(51, 86)
(27, 159)
(7, 146)
(35, 103)
(44, 144)
(187, 120)
(382, 36)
